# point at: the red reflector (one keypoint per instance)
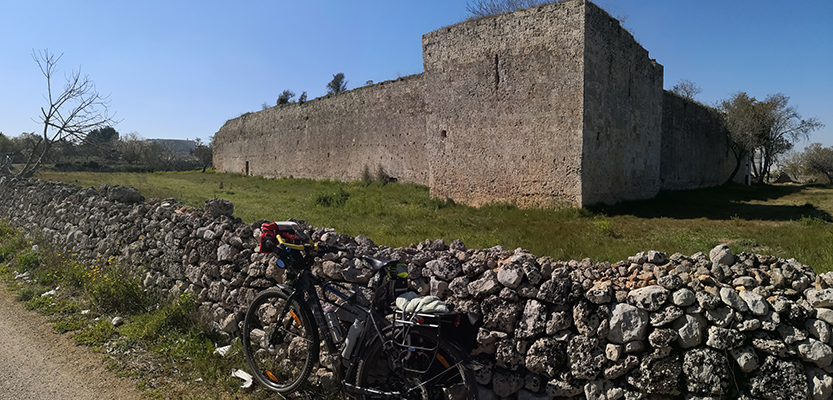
(420, 320)
(457, 321)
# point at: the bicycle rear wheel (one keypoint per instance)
(280, 341)
(430, 369)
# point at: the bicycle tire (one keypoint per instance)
(280, 341)
(446, 376)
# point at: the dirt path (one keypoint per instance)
(37, 364)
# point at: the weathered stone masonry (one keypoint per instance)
(553, 104)
(716, 326)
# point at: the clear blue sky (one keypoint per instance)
(177, 69)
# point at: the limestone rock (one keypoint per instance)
(756, 303)
(658, 373)
(510, 275)
(546, 357)
(812, 350)
(533, 321)
(721, 254)
(217, 207)
(820, 384)
(706, 372)
(746, 357)
(627, 323)
(683, 297)
(586, 357)
(649, 298)
(689, 330)
(732, 299)
(724, 339)
(666, 315)
(779, 379)
(500, 314)
(820, 298)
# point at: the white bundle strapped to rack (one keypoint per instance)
(412, 303)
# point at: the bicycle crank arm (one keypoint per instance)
(353, 389)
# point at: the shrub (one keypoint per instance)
(115, 290)
(337, 199)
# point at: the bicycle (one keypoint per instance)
(386, 354)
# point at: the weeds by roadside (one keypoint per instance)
(162, 342)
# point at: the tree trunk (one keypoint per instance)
(739, 161)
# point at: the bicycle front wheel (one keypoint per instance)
(280, 341)
(427, 368)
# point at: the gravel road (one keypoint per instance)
(37, 364)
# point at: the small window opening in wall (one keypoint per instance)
(247, 168)
(443, 134)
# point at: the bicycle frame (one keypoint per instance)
(303, 290)
(394, 336)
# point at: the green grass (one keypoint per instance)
(786, 221)
(163, 342)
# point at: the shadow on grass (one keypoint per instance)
(720, 203)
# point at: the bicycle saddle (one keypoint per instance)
(378, 264)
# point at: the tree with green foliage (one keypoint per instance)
(766, 129)
(744, 118)
(484, 8)
(102, 135)
(204, 153)
(818, 159)
(337, 85)
(303, 98)
(285, 97)
(69, 115)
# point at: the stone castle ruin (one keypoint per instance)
(548, 105)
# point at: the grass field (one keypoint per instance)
(787, 221)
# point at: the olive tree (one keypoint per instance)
(70, 113)
(818, 159)
(337, 85)
(766, 129)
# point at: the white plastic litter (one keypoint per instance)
(222, 351)
(411, 302)
(239, 373)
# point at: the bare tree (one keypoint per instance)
(687, 89)
(70, 113)
(337, 85)
(483, 8)
(785, 128)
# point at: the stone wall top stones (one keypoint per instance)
(717, 325)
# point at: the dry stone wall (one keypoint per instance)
(654, 326)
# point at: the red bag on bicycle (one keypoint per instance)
(289, 231)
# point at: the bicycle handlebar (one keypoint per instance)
(282, 245)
